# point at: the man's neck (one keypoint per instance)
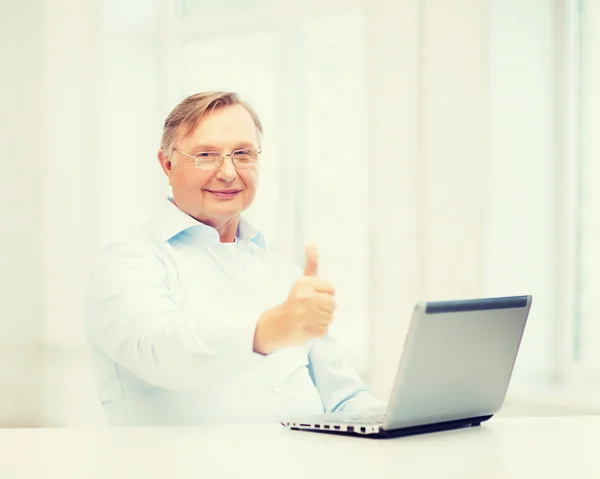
(228, 230)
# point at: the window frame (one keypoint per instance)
(577, 373)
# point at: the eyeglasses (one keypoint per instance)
(210, 160)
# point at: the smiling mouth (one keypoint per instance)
(224, 193)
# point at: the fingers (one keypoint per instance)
(316, 296)
(325, 303)
(317, 284)
(312, 261)
(310, 272)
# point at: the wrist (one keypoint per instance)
(266, 335)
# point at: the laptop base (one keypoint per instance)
(406, 431)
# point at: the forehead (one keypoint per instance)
(226, 127)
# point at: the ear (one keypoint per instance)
(165, 163)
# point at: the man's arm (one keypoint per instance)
(338, 384)
(132, 318)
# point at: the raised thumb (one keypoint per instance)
(312, 261)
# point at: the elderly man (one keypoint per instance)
(192, 319)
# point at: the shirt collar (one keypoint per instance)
(172, 221)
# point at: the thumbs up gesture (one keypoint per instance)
(312, 261)
(304, 315)
(311, 298)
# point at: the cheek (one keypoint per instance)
(250, 179)
(190, 180)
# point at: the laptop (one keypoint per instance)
(454, 371)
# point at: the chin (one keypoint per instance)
(225, 212)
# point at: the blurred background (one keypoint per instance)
(432, 150)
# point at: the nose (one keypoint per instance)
(227, 171)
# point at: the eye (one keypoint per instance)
(245, 154)
(206, 155)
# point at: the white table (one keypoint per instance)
(501, 448)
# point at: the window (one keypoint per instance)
(586, 344)
(199, 7)
(334, 164)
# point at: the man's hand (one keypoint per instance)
(304, 315)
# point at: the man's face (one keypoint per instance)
(214, 196)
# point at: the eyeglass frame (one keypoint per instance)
(222, 157)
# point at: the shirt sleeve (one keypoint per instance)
(338, 383)
(132, 319)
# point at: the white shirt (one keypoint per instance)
(171, 318)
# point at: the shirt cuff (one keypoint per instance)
(360, 400)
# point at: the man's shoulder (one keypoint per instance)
(142, 241)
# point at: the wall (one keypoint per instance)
(21, 133)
